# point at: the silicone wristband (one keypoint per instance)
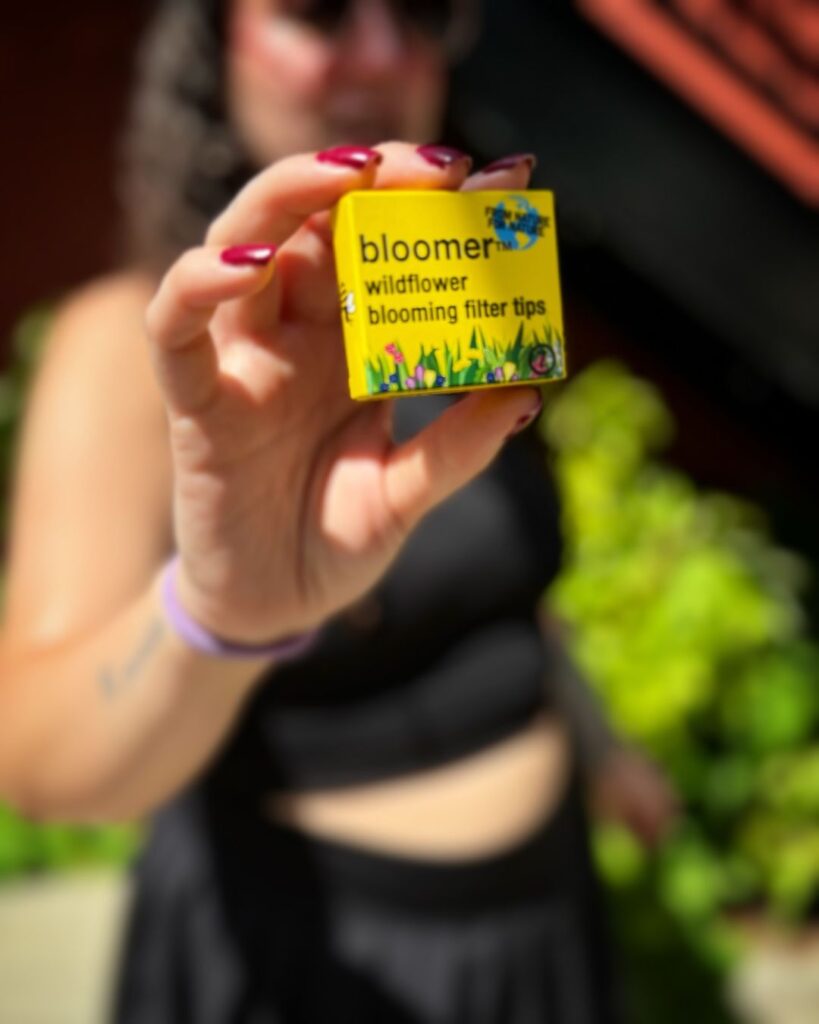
(201, 639)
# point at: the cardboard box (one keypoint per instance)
(448, 291)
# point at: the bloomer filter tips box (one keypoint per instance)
(448, 291)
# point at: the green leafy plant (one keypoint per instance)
(687, 620)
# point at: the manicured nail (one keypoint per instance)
(527, 418)
(248, 255)
(443, 156)
(357, 157)
(506, 163)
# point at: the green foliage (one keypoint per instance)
(687, 619)
(24, 845)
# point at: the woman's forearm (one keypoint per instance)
(110, 725)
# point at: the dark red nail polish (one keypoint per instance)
(506, 163)
(248, 255)
(357, 157)
(527, 418)
(443, 156)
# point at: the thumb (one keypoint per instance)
(453, 449)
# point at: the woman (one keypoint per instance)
(365, 807)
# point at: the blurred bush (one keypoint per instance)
(686, 618)
(25, 846)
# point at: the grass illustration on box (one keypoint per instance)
(481, 362)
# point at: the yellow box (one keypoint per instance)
(448, 291)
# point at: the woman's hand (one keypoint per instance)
(290, 499)
(629, 788)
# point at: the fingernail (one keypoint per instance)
(527, 418)
(357, 157)
(443, 156)
(506, 163)
(248, 255)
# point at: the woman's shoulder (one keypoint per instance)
(122, 294)
(96, 331)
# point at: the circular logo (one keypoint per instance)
(516, 223)
(542, 360)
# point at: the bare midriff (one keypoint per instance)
(472, 807)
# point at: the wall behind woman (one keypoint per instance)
(64, 76)
(685, 248)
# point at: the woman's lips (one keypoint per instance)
(360, 106)
(364, 126)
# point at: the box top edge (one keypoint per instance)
(401, 193)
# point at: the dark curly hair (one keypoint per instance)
(180, 160)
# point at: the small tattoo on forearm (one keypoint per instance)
(112, 681)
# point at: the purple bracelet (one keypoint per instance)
(201, 639)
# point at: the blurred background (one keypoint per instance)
(681, 140)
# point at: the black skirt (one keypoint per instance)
(237, 920)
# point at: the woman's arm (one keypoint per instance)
(104, 713)
(109, 725)
(624, 784)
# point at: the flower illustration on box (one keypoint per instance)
(474, 361)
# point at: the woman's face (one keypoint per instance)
(294, 87)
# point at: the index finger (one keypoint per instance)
(276, 201)
(302, 189)
(274, 205)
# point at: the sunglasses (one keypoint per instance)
(439, 20)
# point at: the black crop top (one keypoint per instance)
(444, 655)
